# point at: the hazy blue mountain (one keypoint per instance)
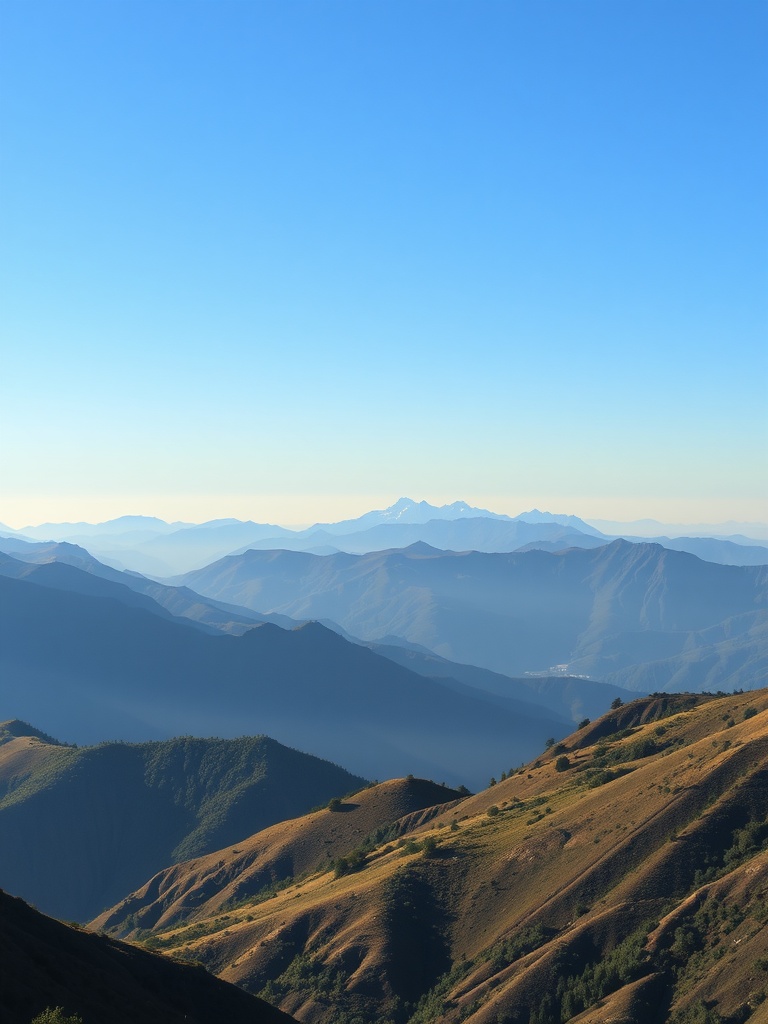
(136, 526)
(738, 532)
(713, 549)
(65, 577)
(89, 668)
(511, 613)
(735, 650)
(198, 545)
(573, 522)
(544, 532)
(406, 510)
(573, 698)
(150, 545)
(7, 533)
(38, 562)
(159, 549)
(466, 534)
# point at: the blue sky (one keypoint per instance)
(289, 260)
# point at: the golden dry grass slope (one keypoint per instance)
(621, 877)
(197, 889)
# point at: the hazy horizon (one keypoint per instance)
(353, 509)
(288, 262)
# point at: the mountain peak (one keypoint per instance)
(536, 516)
(16, 728)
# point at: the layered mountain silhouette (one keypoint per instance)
(574, 696)
(161, 549)
(605, 613)
(47, 564)
(466, 534)
(90, 667)
(81, 826)
(621, 876)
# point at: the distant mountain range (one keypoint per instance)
(630, 614)
(66, 566)
(89, 659)
(160, 549)
(738, 531)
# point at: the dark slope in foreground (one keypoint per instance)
(86, 669)
(46, 963)
(622, 877)
(595, 611)
(79, 827)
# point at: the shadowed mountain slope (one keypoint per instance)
(118, 812)
(48, 964)
(87, 669)
(617, 606)
(69, 567)
(572, 697)
(621, 876)
(198, 889)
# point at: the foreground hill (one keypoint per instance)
(48, 964)
(600, 612)
(622, 876)
(81, 826)
(87, 668)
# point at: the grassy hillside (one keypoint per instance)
(79, 827)
(48, 964)
(622, 876)
(257, 867)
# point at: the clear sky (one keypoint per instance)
(287, 260)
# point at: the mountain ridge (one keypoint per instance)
(90, 669)
(113, 810)
(622, 875)
(513, 613)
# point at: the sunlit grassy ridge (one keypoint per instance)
(624, 872)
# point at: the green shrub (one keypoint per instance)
(354, 861)
(55, 1015)
(562, 764)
